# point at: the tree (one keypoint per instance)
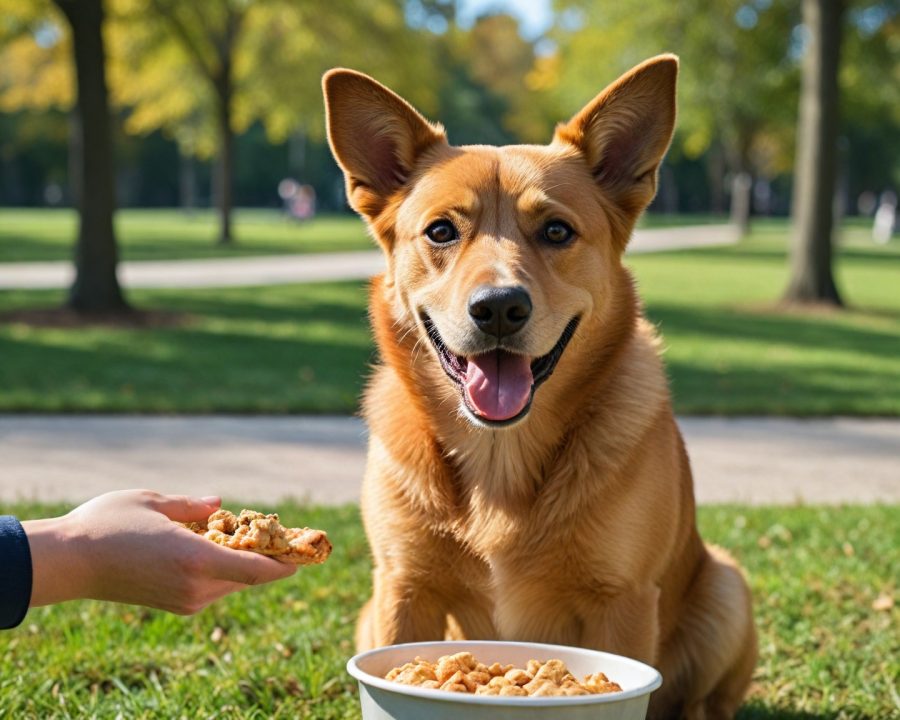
(812, 280)
(737, 81)
(96, 287)
(203, 71)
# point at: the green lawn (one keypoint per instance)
(29, 234)
(730, 352)
(275, 349)
(306, 348)
(826, 653)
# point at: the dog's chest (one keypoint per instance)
(520, 509)
(505, 506)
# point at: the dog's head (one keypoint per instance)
(496, 256)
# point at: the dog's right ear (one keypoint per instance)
(375, 136)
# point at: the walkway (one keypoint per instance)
(319, 267)
(264, 459)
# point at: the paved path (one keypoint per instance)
(265, 459)
(280, 269)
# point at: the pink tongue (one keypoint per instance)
(498, 384)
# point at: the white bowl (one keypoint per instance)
(387, 700)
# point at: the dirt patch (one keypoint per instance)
(64, 317)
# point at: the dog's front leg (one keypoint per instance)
(626, 624)
(401, 610)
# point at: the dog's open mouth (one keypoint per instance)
(498, 386)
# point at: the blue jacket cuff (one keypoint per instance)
(15, 572)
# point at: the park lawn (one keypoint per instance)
(275, 349)
(49, 234)
(730, 351)
(307, 348)
(29, 234)
(816, 573)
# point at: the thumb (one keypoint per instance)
(184, 508)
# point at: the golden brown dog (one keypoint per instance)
(526, 478)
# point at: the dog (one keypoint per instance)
(526, 479)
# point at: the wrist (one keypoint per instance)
(59, 569)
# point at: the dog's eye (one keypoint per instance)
(441, 232)
(557, 232)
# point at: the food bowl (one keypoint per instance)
(388, 700)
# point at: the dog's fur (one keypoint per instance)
(576, 523)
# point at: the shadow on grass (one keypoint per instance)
(787, 364)
(810, 331)
(234, 357)
(341, 304)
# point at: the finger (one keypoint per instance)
(245, 567)
(183, 508)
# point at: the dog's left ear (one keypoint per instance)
(625, 131)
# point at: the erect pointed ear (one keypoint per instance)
(625, 131)
(375, 136)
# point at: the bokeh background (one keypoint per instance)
(155, 154)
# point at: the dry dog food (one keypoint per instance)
(463, 673)
(264, 534)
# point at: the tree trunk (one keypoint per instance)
(741, 194)
(715, 173)
(96, 287)
(75, 167)
(225, 164)
(811, 279)
(187, 182)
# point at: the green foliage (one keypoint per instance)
(825, 652)
(172, 57)
(738, 91)
(870, 94)
(738, 82)
(166, 59)
(35, 57)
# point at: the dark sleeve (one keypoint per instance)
(15, 572)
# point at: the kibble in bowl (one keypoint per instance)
(500, 680)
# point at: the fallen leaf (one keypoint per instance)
(883, 602)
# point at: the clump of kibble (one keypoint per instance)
(463, 673)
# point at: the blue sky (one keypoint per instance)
(534, 15)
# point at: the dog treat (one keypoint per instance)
(463, 673)
(264, 534)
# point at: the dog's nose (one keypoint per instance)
(499, 311)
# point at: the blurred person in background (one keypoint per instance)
(885, 218)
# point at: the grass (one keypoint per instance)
(275, 349)
(826, 653)
(43, 235)
(306, 348)
(730, 351)
(28, 234)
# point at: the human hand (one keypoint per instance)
(124, 547)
